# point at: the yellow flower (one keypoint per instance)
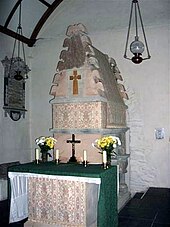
(102, 142)
(50, 142)
(46, 143)
(108, 142)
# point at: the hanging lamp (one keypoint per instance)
(18, 68)
(15, 75)
(136, 47)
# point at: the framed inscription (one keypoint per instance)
(14, 91)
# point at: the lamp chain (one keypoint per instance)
(19, 45)
(127, 39)
(144, 35)
(136, 22)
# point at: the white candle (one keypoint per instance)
(57, 154)
(37, 153)
(104, 157)
(85, 155)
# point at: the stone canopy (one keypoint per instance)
(86, 87)
(88, 103)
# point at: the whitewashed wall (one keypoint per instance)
(147, 85)
(148, 88)
(14, 135)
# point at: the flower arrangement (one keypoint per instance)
(45, 143)
(108, 144)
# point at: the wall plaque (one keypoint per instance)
(14, 90)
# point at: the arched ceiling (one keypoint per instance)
(48, 7)
(96, 15)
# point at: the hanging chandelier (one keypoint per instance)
(18, 68)
(136, 47)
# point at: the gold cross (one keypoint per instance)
(75, 79)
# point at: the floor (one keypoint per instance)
(3, 213)
(150, 209)
(4, 216)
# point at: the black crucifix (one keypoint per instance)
(73, 141)
(75, 79)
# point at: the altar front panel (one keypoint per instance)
(86, 197)
(62, 202)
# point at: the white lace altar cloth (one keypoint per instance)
(59, 201)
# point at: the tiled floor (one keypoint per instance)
(151, 209)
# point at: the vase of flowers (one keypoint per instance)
(108, 144)
(45, 144)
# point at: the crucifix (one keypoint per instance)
(73, 142)
(75, 77)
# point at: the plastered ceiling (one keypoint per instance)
(97, 15)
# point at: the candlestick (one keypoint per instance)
(85, 155)
(84, 158)
(57, 154)
(37, 155)
(104, 160)
(104, 157)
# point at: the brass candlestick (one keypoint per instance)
(85, 163)
(56, 156)
(57, 161)
(36, 161)
(37, 155)
(105, 165)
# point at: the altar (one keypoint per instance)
(64, 194)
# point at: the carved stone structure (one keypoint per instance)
(88, 100)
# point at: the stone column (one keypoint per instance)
(122, 161)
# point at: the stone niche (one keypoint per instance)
(88, 102)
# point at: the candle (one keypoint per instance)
(85, 155)
(57, 154)
(37, 154)
(104, 157)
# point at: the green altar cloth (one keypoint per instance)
(107, 204)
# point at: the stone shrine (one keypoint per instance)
(88, 103)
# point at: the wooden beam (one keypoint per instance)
(45, 3)
(43, 19)
(29, 42)
(12, 13)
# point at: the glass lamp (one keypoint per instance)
(136, 47)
